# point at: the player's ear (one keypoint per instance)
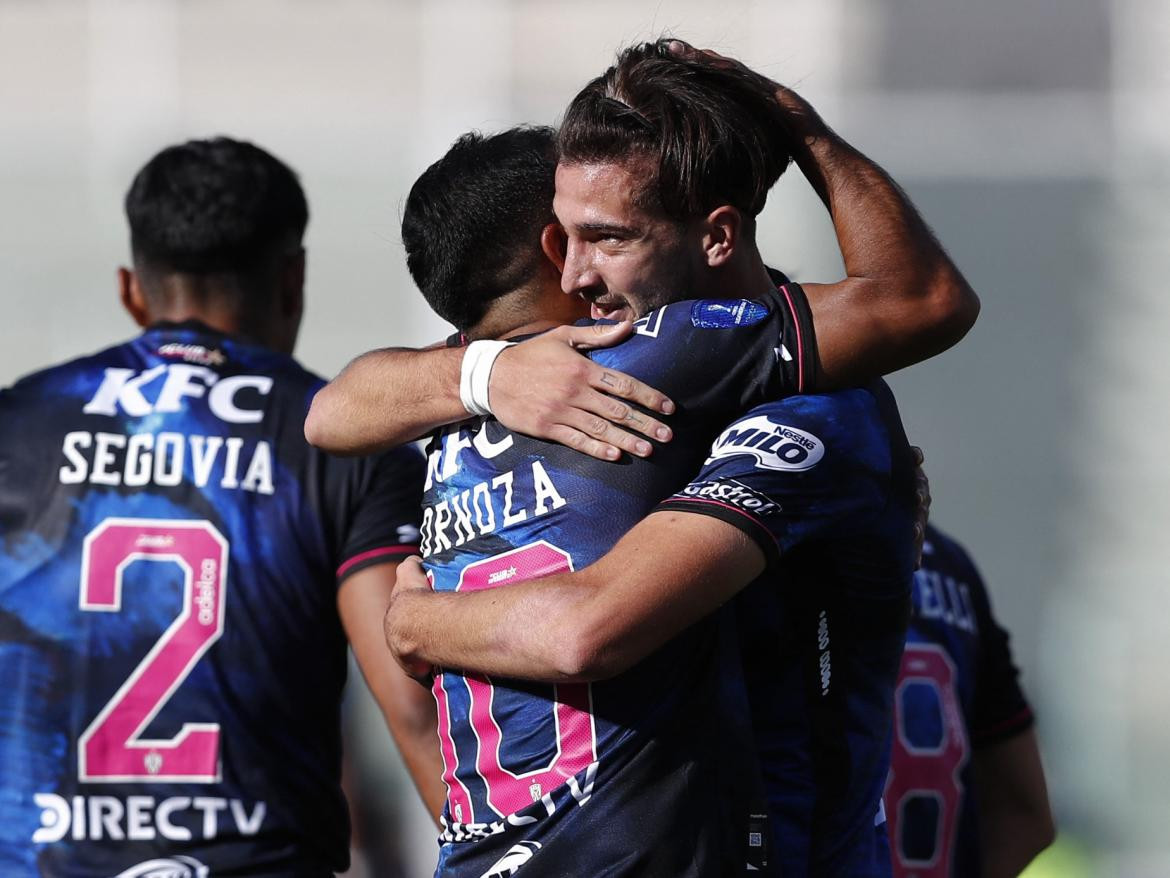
(132, 298)
(553, 243)
(293, 284)
(722, 234)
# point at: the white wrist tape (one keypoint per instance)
(475, 372)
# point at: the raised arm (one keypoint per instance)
(581, 626)
(541, 387)
(903, 300)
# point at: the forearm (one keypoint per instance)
(509, 632)
(418, 744)
(1015, 818)
(587, 625)
(385, 398)
(1010, 841)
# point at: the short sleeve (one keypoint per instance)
(385, 512)
(794, 470)
(1000, 710)
(722, 355)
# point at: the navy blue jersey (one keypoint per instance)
(824, 484)
(958, 690)
(634, 775)
(171, 658)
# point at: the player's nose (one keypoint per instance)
(581, 278)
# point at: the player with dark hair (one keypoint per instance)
(456, 213)
(966, 795)
(502, 508)
(179, 570)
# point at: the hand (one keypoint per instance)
(544, 388)
(799, 115)
(411, 579)
(922, 491)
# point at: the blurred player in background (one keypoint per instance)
(567, 500)
(966, 795)
(179, 570)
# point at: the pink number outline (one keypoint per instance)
(111, 750)
(508, 792)
(928, 771)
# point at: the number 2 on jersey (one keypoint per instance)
(111, 748)
(508, 792)
(924, 775)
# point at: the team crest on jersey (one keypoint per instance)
(171, 867)
(713, 314)
(774, 446)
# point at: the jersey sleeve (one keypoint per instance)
(1000, 710)
(793, 470)
(385, 512)
(723, 355)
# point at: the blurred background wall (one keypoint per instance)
(1033, 134)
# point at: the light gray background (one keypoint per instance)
(1034, 136)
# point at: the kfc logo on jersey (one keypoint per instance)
(236, 399)
(774, 446)
(731, 493)
(174, 867)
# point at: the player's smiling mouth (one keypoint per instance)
(608, 307)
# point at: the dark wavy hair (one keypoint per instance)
(714, 135)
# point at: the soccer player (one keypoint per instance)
(480, 473)
(179, 570)
(966, 793)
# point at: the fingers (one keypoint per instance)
(919, 456)
(599, 335)
(615, 423)
(621, 385)
(410, 573)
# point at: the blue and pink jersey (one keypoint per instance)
(958, 691)
(824, 484)
(171, 658)
(651, 772)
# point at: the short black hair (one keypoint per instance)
(217, 206)
(472, 222)
(714, 135)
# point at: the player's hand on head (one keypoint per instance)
(543, 387)
(922, 492)
(798, 114)
(410, 578)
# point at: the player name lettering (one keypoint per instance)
(144, 818)
(489, 506)
(125, 390)
(164, 459)
(945, 599)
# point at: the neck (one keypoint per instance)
(528, 310)
(745, 278)
(212, 301)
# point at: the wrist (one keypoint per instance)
(475, 374)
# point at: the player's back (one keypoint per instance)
(824, 484)
(629, 776)
(171, 658)
(957, 691)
